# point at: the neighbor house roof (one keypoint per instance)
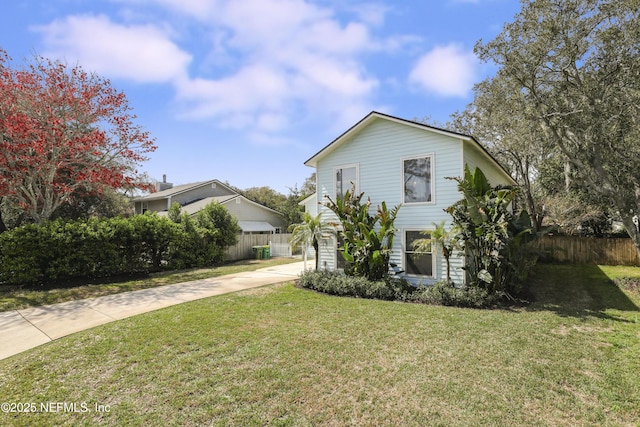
(374, 115)
(255, 226)
(195, 207)
(178, 189)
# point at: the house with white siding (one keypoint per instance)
(401, 162)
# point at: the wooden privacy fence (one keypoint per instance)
(244, 248)
(589, 250)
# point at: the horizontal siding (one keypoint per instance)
(475, 157)
(157, 205)
(378, 151)
(247, 211)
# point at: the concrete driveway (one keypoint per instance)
(21, 330)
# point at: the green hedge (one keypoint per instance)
(335, 283)
(59, 250)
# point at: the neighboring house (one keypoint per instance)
(310, 204)
(253, 218)
(400, 162)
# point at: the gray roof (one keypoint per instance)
(256, 226)
(195, 207)
(164, 194)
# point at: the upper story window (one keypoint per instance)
(418, 180)
(346, 177)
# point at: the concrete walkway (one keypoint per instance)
(21, 330)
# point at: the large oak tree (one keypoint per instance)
(576, 66)
(64, 134)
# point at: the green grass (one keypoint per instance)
(14, 298)
(284, 356)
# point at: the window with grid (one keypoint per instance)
(418, 263)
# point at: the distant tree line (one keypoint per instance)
(288, 205)
(562, 113)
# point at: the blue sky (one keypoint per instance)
(245, 91)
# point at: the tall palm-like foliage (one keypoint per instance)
(447, 240)
(368, 239)
(309, 232)
(494, 240)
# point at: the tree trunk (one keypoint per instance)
(3, 226)
(632, 230)
(315, 247)
(447, 254)
(567, 177)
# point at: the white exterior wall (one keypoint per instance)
(378, 151)
(475, 157)
(311, 205)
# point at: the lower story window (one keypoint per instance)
(418, 262)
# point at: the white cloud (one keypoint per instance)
(252, 89)
(266, 64)
(445, 70)
(141, 53)
(291, 57)
(201, 9)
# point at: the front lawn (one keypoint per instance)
(284, 356)
(17, 297)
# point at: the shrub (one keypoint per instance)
(24, 254)
(495, 242)
(368, 239)
(59, 250)
(335, 283)
(219, 231)
(443, 294)
(394, 289)
(203, 240)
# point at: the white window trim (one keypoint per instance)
(432, 156)
(434, 258)
(335, 171)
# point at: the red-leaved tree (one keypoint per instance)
(64, 133)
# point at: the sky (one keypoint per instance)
(245, 91)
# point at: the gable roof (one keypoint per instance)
(374, 115)
(308, 199)
(256, 226)
(178, 189)
(195, 207)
